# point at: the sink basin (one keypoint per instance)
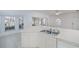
(47, 31)
(54, 31)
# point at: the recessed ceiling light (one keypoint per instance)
(58, 13)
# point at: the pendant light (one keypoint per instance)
(58, 20)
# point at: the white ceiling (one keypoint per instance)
(48, 12)
(53, 12)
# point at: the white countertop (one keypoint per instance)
(69, 35)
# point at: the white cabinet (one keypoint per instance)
(29, 40)
(10, 41)
(38, 40)
(46, 41)
(62, 44)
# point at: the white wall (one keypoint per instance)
(52, 20)
(39, 14)
(68, 19)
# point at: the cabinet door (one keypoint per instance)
(62, 44)
(51, 43)
(37, 40)
(46, 41)
(11, 41)
(29, 40)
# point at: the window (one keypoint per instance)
(36, 21)
(43, 21)
(21, 23)
(9, 23)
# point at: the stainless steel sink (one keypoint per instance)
(55, 32)
(51, 31)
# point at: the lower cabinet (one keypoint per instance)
(46, 41)
(37, 40)
(29, 40)
(10, 41)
